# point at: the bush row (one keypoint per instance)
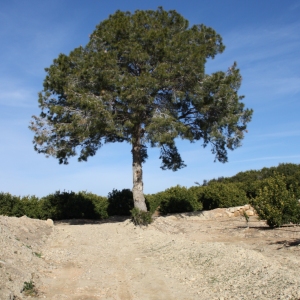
(250, 180)
(57, 206)
(70, 205)
(275, 198)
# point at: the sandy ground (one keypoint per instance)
(176, 257)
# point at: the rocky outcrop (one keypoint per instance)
(230, 212)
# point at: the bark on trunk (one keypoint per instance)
(138, 188)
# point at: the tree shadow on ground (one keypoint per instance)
(287, 243)
(112, 219)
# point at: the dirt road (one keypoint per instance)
(176, 257)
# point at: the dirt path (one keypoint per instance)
(177, 257)
(109, 261)
(174, 258)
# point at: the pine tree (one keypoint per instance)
(140, 79)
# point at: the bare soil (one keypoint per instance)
(182, 256)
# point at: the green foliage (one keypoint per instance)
(29, 289)
(153, 202)
(70, 205)
(221, 195)
(287, 169)
(29, 206)
(250, 181)
(100, 204)
(141, 79)
(198, 191)
(216, 193)
(177, 199)
(293, 183)
(246, 217)
(7, 203)
(120, 202)
(57, 206)
(291, 173)
(275, 203)
(143, 69)
(37, 254)
(19, 206)
(140, 217)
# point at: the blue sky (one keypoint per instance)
(263, 36)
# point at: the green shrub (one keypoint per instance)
(140, 217)
(70, 205)
(177, 199)
(7, 203)
(51, 207)
(293, 183)
(100, 204)
(18, 207)
(275, 203)
(287, 169)
(120, 202)
(223, 195)
(250, 188)
(29, 206)
(153, 202)
(198, 191)
(29, 289)
(57, 206)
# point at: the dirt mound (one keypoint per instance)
(184, 256)
(21, 243)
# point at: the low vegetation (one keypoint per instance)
(141, 218)
(276, 203)
(274, 193)
(29, 289)
(222, 195)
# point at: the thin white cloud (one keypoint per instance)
(282, 158)
(251, 45)
(295, 6)
(249, 38)
(14, 93)
(18, 98)
(273, 87)
(269, 61)
(280, 134)
(31, 39)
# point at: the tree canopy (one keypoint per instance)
(141, 79)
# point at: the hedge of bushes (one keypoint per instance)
(274, 192)
(221, 195)
(70, 205)
(57, 206)
(250, 180)
(16, 206)
(274, 196)
(174, 200)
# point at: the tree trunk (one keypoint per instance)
(138, 188)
